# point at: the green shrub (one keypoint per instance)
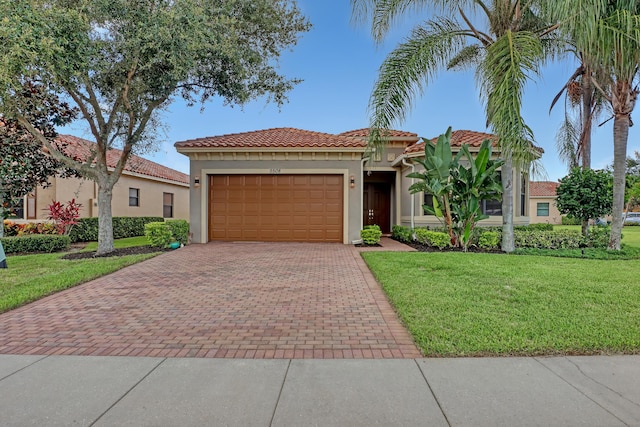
(401, 233)
(569, 220)
(631, 224)
(489, 240)
(179, 230)
(158, 234)
(598, 237)
(87, 228)
(35, 243)
(558, 239)
(540, 227)
(371, 234)
(436, 239)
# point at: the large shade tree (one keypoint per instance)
(505, 49)
(609, 32)
(24, 166)
(121, 62)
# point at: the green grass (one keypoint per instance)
(120, 243)
(31, 277)
(472, 304)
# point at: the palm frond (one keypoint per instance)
(468, 57)
(409, 68)
(568, 140)
(510, 62)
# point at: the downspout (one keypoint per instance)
(362, 191)
(413, 196)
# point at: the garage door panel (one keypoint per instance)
(276, 207)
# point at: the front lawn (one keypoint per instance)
(473, 304)
(127, 242)
(31, 277)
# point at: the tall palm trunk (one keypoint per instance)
(585, 135)
(620, 136)
(508, 238)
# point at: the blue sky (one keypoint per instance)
(339, 64)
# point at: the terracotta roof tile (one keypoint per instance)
(543, 188)
(458, 139)
(274, 138)
(391, 132)
(79, 149)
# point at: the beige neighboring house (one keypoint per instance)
(289, 184)
(542, 203)
(145, 188)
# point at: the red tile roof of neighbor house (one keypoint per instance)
(543, 188)
(390, 132)
(274, 138)
(79, 149)
(458, 139)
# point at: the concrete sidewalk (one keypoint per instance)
(146, 391)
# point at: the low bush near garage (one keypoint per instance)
(371, 234)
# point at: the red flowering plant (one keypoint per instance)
(64, 217)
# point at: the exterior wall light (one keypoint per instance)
(196, 182)
(352, 181)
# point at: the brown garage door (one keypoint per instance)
(276, 208)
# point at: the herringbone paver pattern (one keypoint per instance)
(242, 300)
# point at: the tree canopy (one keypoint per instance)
(120, 62)
(585, 194)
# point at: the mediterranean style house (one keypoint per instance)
(289, 184)
(144, 189)
(542, 202)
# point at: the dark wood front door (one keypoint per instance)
(377, 206)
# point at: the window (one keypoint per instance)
(523, 196)
(491, 207)
(167, 205)
(134, 197)
(428, 200)
(543, 209)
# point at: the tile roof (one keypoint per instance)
(79, 149)
(274, 138)
(543, 188)
(391, 132)
(458, 139)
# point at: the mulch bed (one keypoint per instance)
(116, 252)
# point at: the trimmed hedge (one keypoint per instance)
(36, 243)
(158, 234)
(401, 233)
(560, 239)
(437, 239)
(540, 227)
(489, 240)
(179, 230)
(371, 234)
(569, 220)
(87, 228)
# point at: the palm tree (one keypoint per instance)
(506, 52)
(609, 32)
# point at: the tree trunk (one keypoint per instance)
(585, 227)
(105, 220)
(3, 257)
(620, 137)
(508, 239)
(585, 136)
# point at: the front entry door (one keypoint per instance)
(377, 206)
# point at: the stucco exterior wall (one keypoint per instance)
(554, 217)
(85, 193)
(323, 164)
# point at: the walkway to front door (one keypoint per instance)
(243, 300)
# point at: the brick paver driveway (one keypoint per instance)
(244, 300)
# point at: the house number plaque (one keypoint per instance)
(274, 171)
